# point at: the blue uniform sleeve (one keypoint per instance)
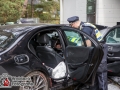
(87, 30)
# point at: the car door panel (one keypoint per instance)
(78, 59)
(82, 61)
(113, 52)
(113, 41)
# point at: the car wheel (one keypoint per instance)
(39, 80)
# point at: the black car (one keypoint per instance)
(111, 35)
(30, 50)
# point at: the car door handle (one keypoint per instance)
(110, 54)
(110, 48)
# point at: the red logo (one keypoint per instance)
(6, 82)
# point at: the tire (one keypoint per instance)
(39, 80)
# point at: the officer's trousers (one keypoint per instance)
(101, 75)
(100, 80)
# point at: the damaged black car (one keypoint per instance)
(53, 56)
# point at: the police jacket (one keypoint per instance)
(91, 30)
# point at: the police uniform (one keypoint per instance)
(74, 40)
(101, 75)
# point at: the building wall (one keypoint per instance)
(108, 12)
(72, 8)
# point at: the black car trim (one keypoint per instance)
(113, 58)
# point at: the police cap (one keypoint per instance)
(73, 19)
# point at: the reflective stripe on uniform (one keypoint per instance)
(73, 39)
(98, 35)
(89, 24)
(97, 32)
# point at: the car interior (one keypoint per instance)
(113, 36)
(44, 45)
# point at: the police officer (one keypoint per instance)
(101, 76)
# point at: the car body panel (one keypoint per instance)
(17, 48)
(20, 47)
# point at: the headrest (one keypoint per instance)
(43, 39)
(54, 41)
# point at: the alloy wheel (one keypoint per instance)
(39, 80)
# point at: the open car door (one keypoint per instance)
(112, 39)
(82, 61)
(113, 42)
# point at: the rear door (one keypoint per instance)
(82, 61)
(113, 42)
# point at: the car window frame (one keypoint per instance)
(110, 30)
(43, 30)
(82, 33)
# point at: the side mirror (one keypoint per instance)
(21, 59)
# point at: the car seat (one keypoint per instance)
(46, 53)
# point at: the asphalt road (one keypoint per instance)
(113, 87)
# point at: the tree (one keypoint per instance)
(10, 10)
(47, 10)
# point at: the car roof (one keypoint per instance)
(100, 27)
(104, 31)
(26, 26)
